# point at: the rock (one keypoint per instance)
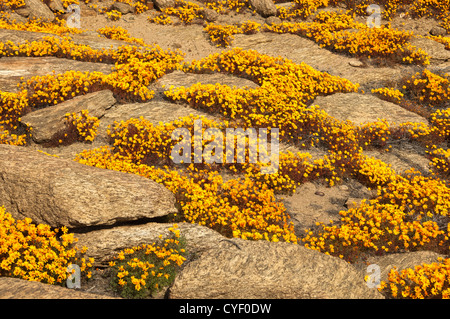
(68, 193)
(163, 4)
(179, 78)
(302, 50)
(153, 111)
(16, 18)
(437, 52)
(49, 123)
(129, 17)
(356, 63)
(264, 8)
(97, 42)
(273, 20)
(23, 11)
(364, 108)
(12, 69)
(104, 244)
(38, 10)
(88, 38)
(437, 31)
(15, 288)
(262, 270)
(402, 159)
(56, 6)
(123, 8)
(20, 37)
(209, 15)
(399, 260)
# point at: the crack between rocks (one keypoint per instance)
(136, 222)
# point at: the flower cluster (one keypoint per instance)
(84, 125)
(440, 162)
(160, 19)
(58, 27)
(225, 6)
(222, 35)
(204, 198)
(6, 137)
(140, 271)
(11, 4)
(186, 11)
(114, 15)
(410, 213)
(301, 9)
(119, 33)
(425, 281)
(389, 94)
(330, 30)
(38, 253)
(428, 88)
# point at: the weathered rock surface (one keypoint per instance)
(14, 288)
(38, 10)
(260, 269)
(87, 38)
(437, 52)
(56, 5)
(62, 192)
(402, 159)
(123, 8)
(153, 111)
(299, 49)
(265, 8)
(163, 4)
(12, 69)
(179, 78)
(104, 244)
(50, 121)
(360, 108)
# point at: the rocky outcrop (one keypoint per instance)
(265, 8)
(436, 51)
(163, 4)
(104, 244)
(123, 8)
(261, 270)
(49, 122)
(14, 288)
(62, 192)
(364, 108)
(12, 69)
(36, 9)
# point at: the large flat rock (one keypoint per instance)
(12, 69)
(363, 108)
(61, 192)
(50, 121)
(299, 49)
(261, 270)
(104, 244)
(15, 288)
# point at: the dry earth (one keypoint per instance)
(254, 269)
